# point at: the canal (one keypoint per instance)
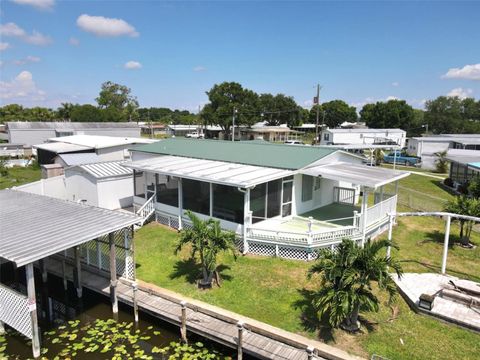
(73, 328)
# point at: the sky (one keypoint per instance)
(171, 53)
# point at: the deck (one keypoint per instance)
(259, 340)
(330, 213)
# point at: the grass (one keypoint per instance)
(276, 291)
(415, 169)
(20, 175)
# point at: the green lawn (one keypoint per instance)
(413, 168)
(19, 176)
(276, 291)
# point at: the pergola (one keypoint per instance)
(34, 227)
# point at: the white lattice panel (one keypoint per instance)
(14, 311)
(261, 249)
(292, 253)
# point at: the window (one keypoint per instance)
(63, 133)
(258, 202)
(139, 184)
(287, 197)
(274, 189)
(167, 190)
(318, 182)
(228, 203)
(307, 188)
(196, 196)
(326, 137)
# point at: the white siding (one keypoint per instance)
(115, 193)
(53, 187)
(81, 186)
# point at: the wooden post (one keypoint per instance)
(240, 340)
(64, 274)
(183, 320)
(180, 203)
(310, 350)
(135, 304)
(113, 274)
(43, 270)
(445, 244)
(32, 302)
(77, 272)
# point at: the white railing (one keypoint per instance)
(147, 209)
(343, 195)
(381, 210)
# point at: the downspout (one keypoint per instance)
(246, 216)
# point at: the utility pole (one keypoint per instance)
(316, 100)
(233, 124)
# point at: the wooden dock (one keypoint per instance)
(258, 339)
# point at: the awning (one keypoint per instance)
(35, 226)
(61, 147)
(218, 172)
(370, 176)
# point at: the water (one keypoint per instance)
(55, 307)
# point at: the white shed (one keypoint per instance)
(108, 184)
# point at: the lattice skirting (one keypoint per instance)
(14, 311)
(96, 253)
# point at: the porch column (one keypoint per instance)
(364, 214)
(180, 203)
(445, 244)
(211, 200)
(390, 228)
(32, 302)
(113, 274)
(246, 219)
(77, 272)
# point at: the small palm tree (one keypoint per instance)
(207, 240)
(462, 205)
(346, 276)
(441, 163)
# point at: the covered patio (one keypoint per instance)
(35, 228)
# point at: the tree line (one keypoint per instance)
(230, 100)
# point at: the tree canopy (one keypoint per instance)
(333, 113)
(390, 114)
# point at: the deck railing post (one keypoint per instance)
(183, 319)
(180, 204)
(445, 244)
(355, 216)
(390, 228)
(135, 304)
(113, 274)
(310, 350)
(32, 302)
(240, 340)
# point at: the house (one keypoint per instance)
(464, 166)
(181, 130)
(36, 132)
(427, 146)
(279, 199)
(108, 185)
(363, 137)
(107, 148)
(280, 133)
(15, 150)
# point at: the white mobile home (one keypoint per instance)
(285, 200)
(363, 137)
(36, 132)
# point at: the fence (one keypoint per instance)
(343, 195)
(15, 310)
(96, 253)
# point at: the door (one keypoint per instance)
(287, 196)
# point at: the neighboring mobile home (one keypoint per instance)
(363, 137)
(284, 200)
(464, 166)
(36, 132)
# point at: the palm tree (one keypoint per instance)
(441, 163)
(346, 276)
(462, 205)
(207, 240)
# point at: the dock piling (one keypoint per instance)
(240, 340)
(183, 327)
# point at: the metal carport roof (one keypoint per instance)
(372, 177)
(33, 227)
(218, 172)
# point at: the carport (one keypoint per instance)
(35, 227)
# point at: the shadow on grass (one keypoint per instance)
(439, 237)
(192, 271)
(321, 326)
(436, 269)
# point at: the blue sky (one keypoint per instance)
(359, 51)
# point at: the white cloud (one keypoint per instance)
(460, 92)
(39, 4)
(13, 30)
(199, 68)
(131, 65)
(22, 88)
(105, 27)
(27, 60)
(391, 97)
(395, 83)
(4, 46)
(469, 72)
(74, 41)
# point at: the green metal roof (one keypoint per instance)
(279, 156)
